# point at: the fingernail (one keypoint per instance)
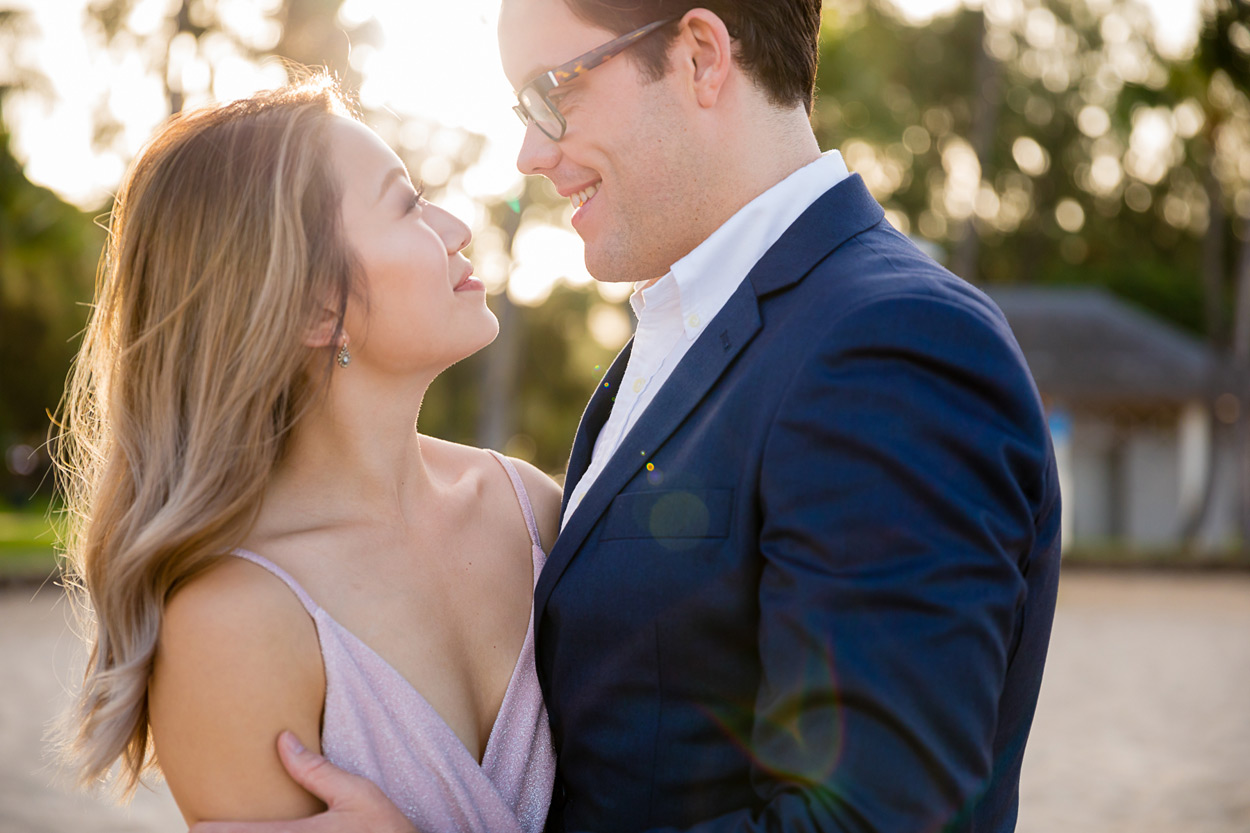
(291, 743)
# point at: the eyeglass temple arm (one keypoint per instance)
(595, 57)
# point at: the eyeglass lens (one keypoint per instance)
(536, 106)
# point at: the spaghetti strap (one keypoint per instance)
(261, 561)
(521, 495)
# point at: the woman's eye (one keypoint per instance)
(417, 194)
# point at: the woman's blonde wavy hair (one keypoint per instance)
(224, 251)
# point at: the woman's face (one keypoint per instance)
(421, 309)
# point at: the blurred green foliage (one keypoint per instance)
(26, 544)
(1067, 82)
(48, 252)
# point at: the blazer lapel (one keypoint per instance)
(730, 331)
(845, 210)
(840, 213)
(592, 422)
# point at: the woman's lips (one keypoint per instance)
(469, 283)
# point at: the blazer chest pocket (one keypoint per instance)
(671, 515)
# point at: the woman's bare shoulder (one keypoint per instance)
(544, 494)
(233, 597)
(237, 662)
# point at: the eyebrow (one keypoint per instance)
(392, 175)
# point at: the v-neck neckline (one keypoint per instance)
(421, 698)
(319, 614)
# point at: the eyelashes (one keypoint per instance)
(418, 193)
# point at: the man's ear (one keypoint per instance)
(707, 49)
(321, 333)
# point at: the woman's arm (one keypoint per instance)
(238, 662)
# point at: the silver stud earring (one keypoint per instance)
(344, 358)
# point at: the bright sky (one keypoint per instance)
(438, 62)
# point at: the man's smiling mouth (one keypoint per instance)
(582, 197)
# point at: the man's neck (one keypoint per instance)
(779, 147)
(751, 162)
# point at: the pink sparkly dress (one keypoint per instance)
(375, 724)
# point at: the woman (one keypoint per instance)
(263, 538)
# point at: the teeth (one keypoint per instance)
(582, 197)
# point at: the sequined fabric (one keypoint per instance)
(378, 726)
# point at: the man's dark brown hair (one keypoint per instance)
(775, 41)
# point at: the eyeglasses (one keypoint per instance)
(533, 103)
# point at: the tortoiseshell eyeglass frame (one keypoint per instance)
(566, 72)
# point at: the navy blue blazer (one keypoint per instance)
(813, 590)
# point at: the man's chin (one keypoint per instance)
(623, 264)
(609, 269)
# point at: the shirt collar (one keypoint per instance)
(657, 305)
(702, 281)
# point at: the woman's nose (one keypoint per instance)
(455, 233)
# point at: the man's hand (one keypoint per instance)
(355, 805)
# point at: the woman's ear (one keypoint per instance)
(321, 333)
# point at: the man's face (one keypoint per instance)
(623, 162)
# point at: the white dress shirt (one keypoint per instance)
(674, 310)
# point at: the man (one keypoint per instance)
(809, 553)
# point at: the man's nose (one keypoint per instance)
(538, 152)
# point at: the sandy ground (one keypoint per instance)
(37, 653)
(1144, 719)
(1143, 724)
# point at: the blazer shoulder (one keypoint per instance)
(880, 270)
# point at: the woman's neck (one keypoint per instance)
(357, 450)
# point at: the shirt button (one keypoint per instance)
(694, 321)
(639, 384)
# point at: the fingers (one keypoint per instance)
(354, 803)
(314, 773)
